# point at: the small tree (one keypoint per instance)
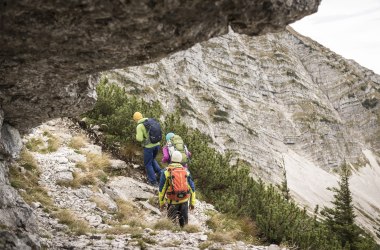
(284, 187)
(340, 218)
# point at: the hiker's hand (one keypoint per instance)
(192, 207)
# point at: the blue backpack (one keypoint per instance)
(154, 130)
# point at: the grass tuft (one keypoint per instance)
(128, 214)
(53, 143)
(27, 160)
(77, 142)
(190, 228)
(75, 224)
(34, 144)
(165, 224)
(130, 152)
(227, 228)
(96, 161)
(93, 171)
(205, 245)
(222, 237)
(38, 145)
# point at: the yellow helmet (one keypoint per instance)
(137, 116)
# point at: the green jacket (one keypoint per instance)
(142, 135)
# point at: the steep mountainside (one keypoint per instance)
(280, 102)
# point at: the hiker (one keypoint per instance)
(177, 190)
(175, 143)
(148, 132)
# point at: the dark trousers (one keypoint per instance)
(151, 165)
(179, 210)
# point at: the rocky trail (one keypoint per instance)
(92, 209)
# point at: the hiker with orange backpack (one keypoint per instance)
(177, 190)
(148, 132)
(175, 143)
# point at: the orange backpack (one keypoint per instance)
(178, 188)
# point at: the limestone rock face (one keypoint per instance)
(49, 49)
(10, 141)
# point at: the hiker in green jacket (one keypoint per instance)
(150, 149)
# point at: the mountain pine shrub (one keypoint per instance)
(114, 110)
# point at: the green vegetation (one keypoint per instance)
(75, 224)
(370, 103)
(340, 218)
(190, 228)
(184, 105)
(115, 109)
(34, 144)
(38, 145)
(291, 73)
(53, 143)
(77, 142)
(231, 228)
(165, 224)
(97, 161)
(229, 187)
(129, 214)
(27, 160)
(221, 113)
(205, 245)
(95, 169)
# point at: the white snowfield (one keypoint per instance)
(308, 185)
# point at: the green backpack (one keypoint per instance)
(178, 145)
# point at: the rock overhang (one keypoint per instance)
(48, 50)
